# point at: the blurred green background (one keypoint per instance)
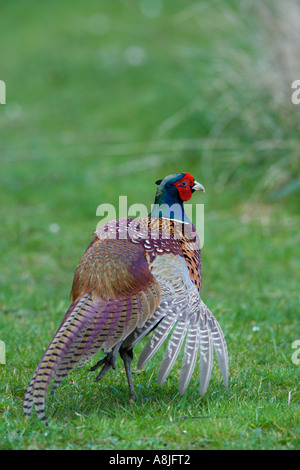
(105, 97)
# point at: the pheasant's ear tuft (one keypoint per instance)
(158, 182)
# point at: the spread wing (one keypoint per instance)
(184, 321)
(113, 293)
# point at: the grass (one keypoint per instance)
(104, 98)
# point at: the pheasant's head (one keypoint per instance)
(176, 188)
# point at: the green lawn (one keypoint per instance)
(102, 99)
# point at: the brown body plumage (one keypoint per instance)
(136, 276)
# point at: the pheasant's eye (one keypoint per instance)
(184, 183)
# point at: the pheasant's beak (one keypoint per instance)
(198, 187)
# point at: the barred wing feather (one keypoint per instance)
(192, 323)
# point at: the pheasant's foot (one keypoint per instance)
(107, 362)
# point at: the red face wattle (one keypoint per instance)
(184, 186)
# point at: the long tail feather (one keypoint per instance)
(35, 394)
(109, 324)
(71, 359)
(81, 345)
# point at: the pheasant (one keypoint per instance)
(137, 276)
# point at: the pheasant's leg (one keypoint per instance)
(127, 355)
(107, 362)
